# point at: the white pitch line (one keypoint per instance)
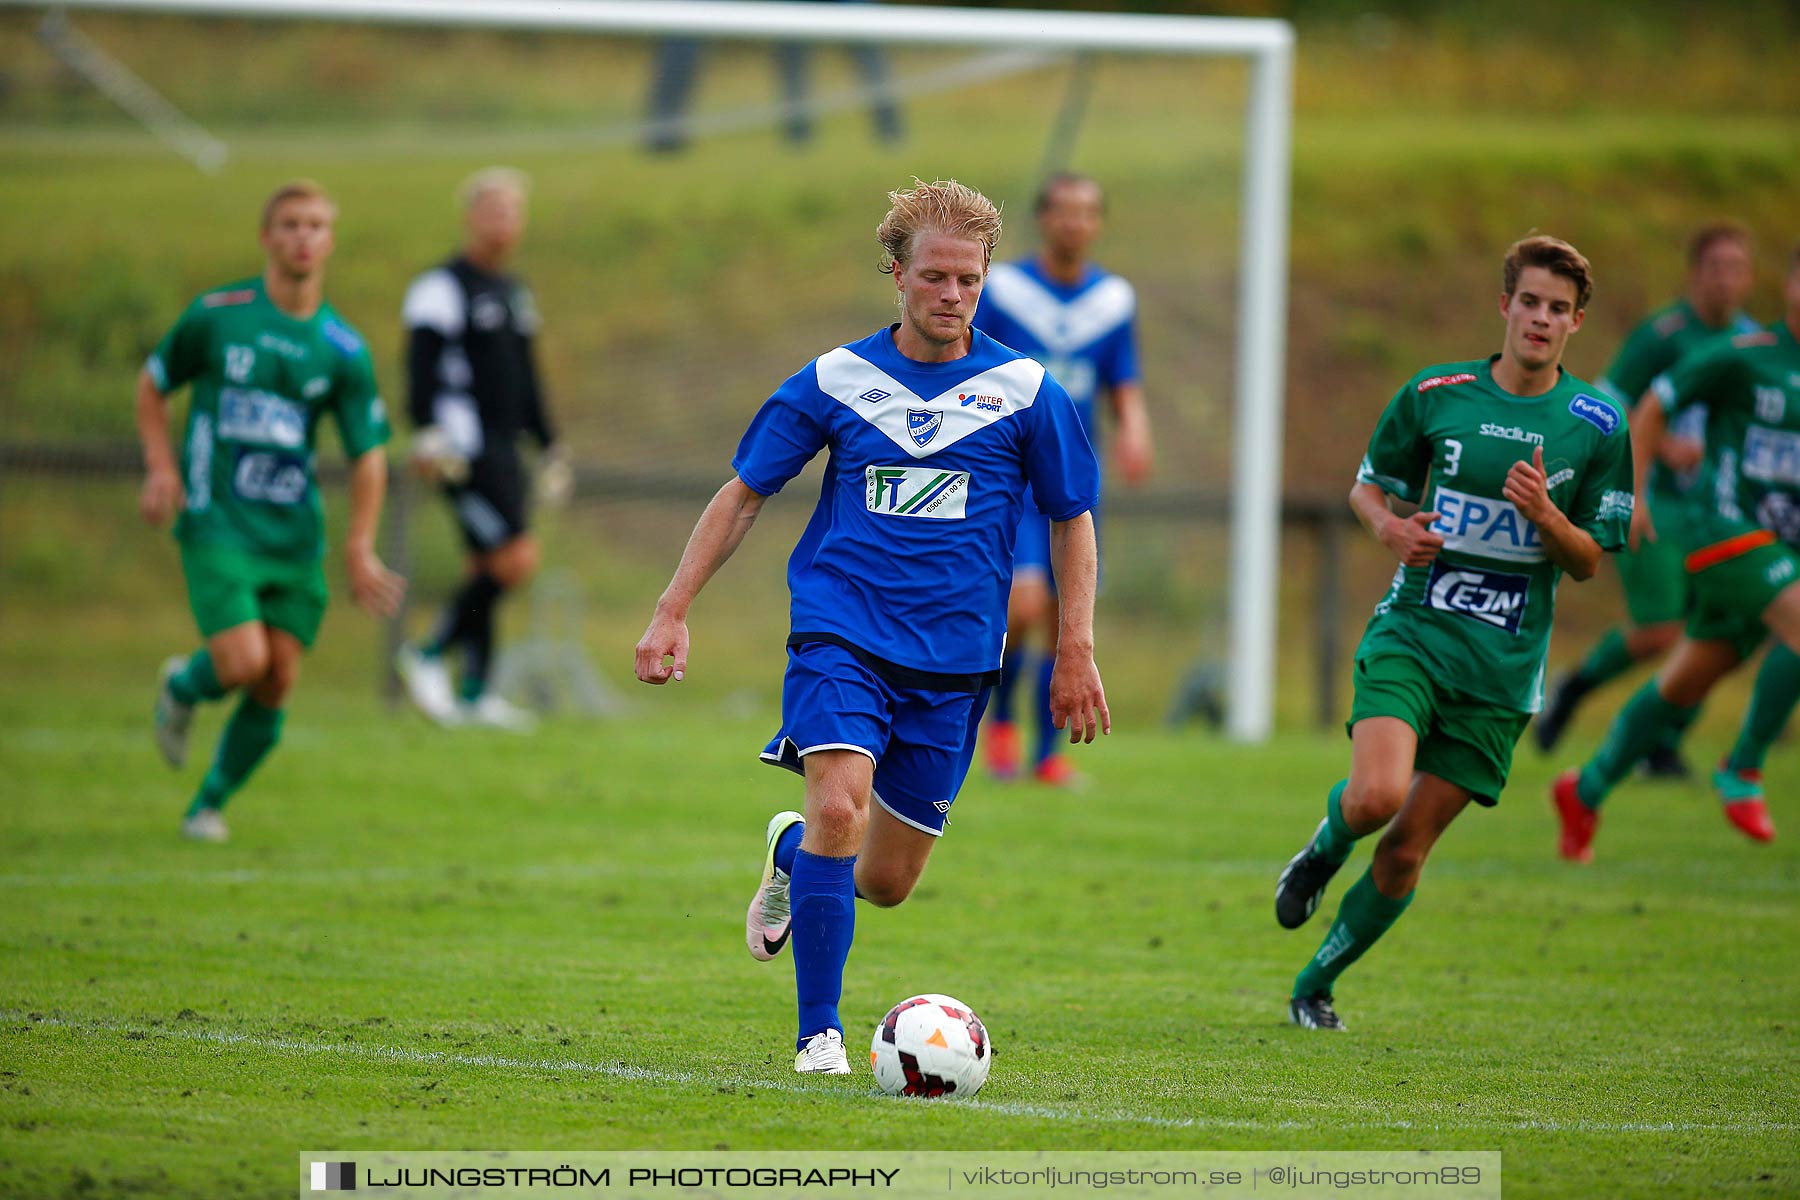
(713, 1082)
(1733, 890)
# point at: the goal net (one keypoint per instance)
(707, 178)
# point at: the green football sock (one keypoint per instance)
(197, 681)
(1334, 841)
(1362, 917)
(1677, 728)
(1609, 659)
(249, 735)
(1635, 732)
(1771, 703)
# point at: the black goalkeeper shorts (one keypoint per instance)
(490, 505)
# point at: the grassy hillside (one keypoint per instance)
(679, 290)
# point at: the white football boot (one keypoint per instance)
(172, 718)
(207, 825)
(427, 682)
(770, 918)
(824, 1055)
(493, 711)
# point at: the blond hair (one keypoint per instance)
(1553, 255)
(492, 179)
(296, 189)
(946, 207)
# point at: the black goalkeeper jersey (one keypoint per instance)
(470, 361)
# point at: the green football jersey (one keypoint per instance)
(1749, 389)
(261, 382)
(1656, 344)
(1478, 615)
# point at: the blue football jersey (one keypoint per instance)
(1085, 334)
(909, 552)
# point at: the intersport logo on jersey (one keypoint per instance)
(1485, 526)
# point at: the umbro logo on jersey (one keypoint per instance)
(984, 403)
(873, 395)
(923, 425)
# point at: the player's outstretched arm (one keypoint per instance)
(1649, 424)
(161, 497)
(721, 527)
(1077, 698)
(1565, 543)
(375, 588)
(1409, 539)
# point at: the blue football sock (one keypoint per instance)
(822, 892)
(1047, 733)
(786, 846)
(1010, 665)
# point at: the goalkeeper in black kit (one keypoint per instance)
(472, 391)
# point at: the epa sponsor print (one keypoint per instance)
(1485, 526)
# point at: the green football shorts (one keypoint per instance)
(227, 588)
(1654, 581)
(1734, 579)
(1463, 740)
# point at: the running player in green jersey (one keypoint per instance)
(1652, 577)
(267, 358)
(1522, 472)
(1738, 539)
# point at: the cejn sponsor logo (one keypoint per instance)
(984, 403)
(917, 492)
(1437, 381)
(1494, 598)
(1511, 433)
(1598, 413)
(268, 478)
(1485, 526)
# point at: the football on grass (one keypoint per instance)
(931, 1045)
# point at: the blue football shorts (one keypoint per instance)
(921, 740)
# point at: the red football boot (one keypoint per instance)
(1741, 792)
(1578, 820)
(1000, 750)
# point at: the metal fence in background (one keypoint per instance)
(1322, 522)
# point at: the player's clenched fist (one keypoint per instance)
(162, 496)
(1411, 539)
(666, 638)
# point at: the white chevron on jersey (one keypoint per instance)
(1061, 327)
(847, 377)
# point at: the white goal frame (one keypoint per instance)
(1263, 253)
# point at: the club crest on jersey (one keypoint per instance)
(1598, 413)
(1492, 597)
(1485, 526)
(923, 425)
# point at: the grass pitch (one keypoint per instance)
(418, 940)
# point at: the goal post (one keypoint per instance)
(1268, 44)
